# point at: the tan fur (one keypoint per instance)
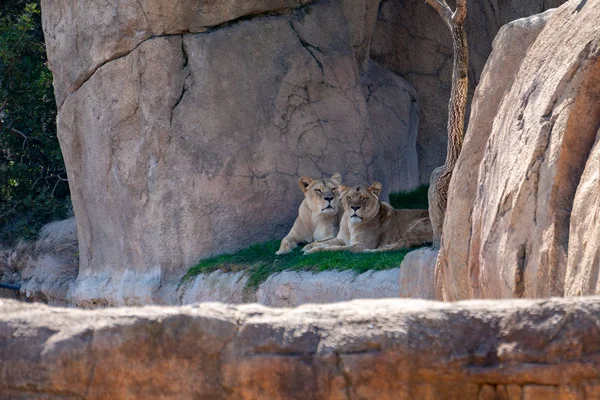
(319, 214)
(374, 226)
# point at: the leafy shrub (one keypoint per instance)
(33, 181)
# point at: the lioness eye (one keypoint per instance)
(348, 198)
(364, 201)
(318, 191)
(333, 189)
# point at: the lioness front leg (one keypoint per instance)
(323, 243)
(289, 243)
(389, 247)
(355, 248)
(285, 247)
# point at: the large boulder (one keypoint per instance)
(401, 349)
(411, 39)
(185, 126)
(510, 48)
(531, 167)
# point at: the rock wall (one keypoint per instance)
(185, 124)
(402, 349)
(411, 40)
(514, 226)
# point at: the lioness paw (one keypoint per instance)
(313, 250)
(309, 247)
(284, 248)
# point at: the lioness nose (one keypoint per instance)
(355, 207)
(329, 198)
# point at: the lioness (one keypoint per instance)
(319, 213)
(370, 225)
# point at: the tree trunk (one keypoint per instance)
(457, 106)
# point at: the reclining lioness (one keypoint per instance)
(370, 225)
(319, 213)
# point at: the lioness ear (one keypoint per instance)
(343, 189)
(375, 189)
(304, 182)
(337, 177)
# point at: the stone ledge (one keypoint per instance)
(385, 349)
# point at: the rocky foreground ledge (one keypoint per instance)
(401, 349)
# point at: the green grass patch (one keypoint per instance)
(260, 262)
(416, 199)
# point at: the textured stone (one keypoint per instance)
(544, 130)
(179, 147)
(402, 349)
(291, 289)
(417, 274)
(411, 40)
(218, 286)
(46, 267)
(510, 48)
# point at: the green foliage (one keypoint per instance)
(33, 184)
(416, 199)
(260, 262)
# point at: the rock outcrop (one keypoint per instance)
(411, 40)
(509, 217)
(46, 267)
(185, 124)
(417, 274)
(402, 349)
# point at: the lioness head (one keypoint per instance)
(322, 195)
(361, 203)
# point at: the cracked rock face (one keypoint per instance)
(411, 40)
(92, 33)
(184, 137)
(402, 349)
(531, 209)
